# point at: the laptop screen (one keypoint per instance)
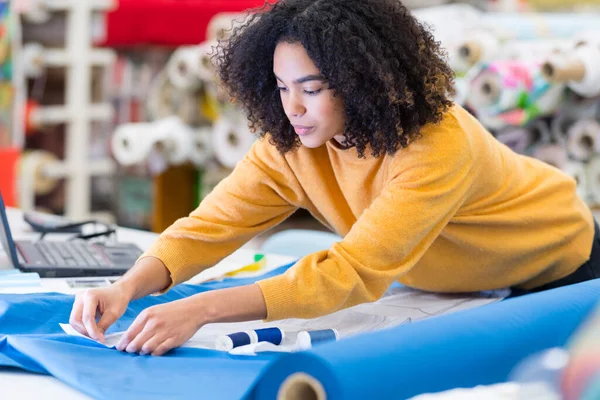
(5, 237)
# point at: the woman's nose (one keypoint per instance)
(295, 107)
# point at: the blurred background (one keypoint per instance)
(110, 109)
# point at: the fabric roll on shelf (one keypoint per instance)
(133, 143)
(165, 100)
(190, 66)
(593, 172)
(32, 59)
(221, 25)
(583, 139)
(485, 46)
(578, 67)
(578, 171)
(232, 138)
(512, 92)
(201, 150)
(33, 170)
(552, 154)
(36, 11)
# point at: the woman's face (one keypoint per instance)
(315, 113)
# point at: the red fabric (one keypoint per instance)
(8, 175)
(166, 22)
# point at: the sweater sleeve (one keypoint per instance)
(259, 194)
(429, 185)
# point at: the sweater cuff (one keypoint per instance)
(279, 299)
(170, 254)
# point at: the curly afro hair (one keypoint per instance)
(386, 65)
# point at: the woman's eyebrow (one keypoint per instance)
(304, 79)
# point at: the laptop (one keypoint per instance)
(76, 258)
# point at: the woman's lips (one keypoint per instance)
(303, 130)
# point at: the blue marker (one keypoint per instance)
(229, 342)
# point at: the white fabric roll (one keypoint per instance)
(551, 154)
(189, 66)
(577, 171)
(232, 139)
(593, 176)
(201, 150)
(582, 139)
(33, 59)
(220, 26)
(589, 86)
(130, 143)
(133, 143)
(204, 68)
(175, 139)
(31, 171)
(481, 46)
(536, 49)
(37, 12)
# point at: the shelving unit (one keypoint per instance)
(78, 112)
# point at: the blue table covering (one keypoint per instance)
(464, 349)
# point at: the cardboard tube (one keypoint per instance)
(470, 52)
(301, 386)
(560, 72)
(485, 91)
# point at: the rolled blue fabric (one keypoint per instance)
(464, 349)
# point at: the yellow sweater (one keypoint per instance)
(456, 211)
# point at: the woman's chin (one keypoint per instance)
(311, 142)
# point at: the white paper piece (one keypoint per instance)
(110, 340)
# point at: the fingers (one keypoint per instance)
(164, 347)
(90, 307)
(157, 346)
(134, 330)
(107, 319)
(145, 336)
(150, 345)
(75, 319)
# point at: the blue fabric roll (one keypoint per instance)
(468, 348)
(464, 349)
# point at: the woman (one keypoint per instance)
(352, 100)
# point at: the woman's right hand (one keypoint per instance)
(108, 304)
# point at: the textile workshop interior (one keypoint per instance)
(300, 199)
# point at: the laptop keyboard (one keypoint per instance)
(76, 254)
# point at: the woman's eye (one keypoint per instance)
(281, 89)
(313, 92)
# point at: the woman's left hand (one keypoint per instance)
(161, 328)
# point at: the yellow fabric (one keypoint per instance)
(456, 211)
